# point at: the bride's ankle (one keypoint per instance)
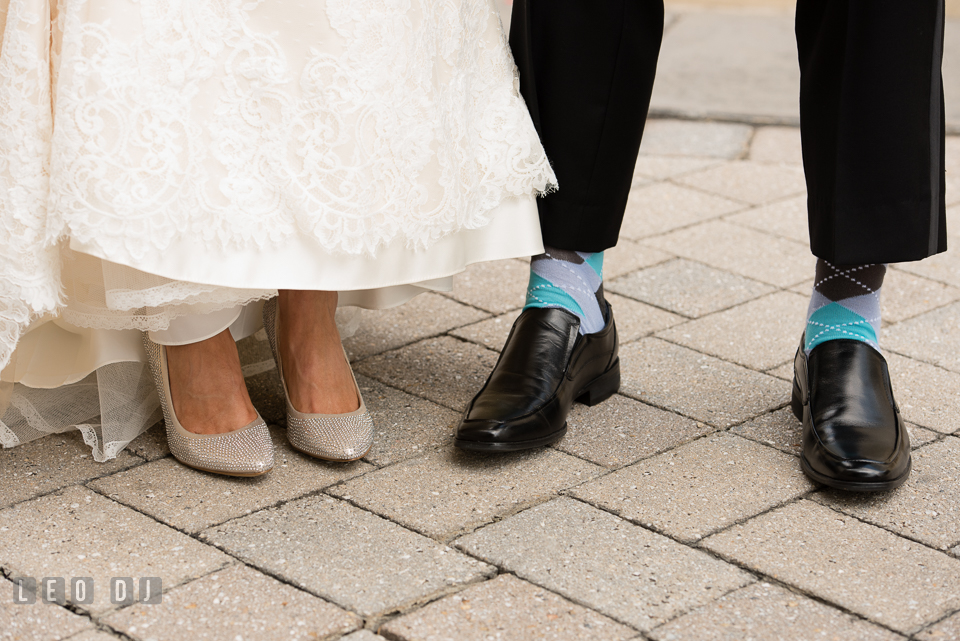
(207, 385)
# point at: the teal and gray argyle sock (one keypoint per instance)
(845, 304)
(569, 280)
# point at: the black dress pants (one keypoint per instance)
(871, 111)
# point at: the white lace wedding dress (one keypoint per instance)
(165, 164)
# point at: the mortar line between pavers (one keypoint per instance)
(699, 546)
(655, 180)
(942, 282)
(753, 120)
(913, 635)
(425, 338)
(919, 360)
(747, 148)
(718, 357)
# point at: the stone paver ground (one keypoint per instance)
(676, 510)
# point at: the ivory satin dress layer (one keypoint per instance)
(166, 166)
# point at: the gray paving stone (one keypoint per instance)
(346, 555)
(927, 395)
(506, 609)
(94, 635)
(190, 500)
(699, 386)
(953, 157)
(78, 533)
(661, 207)
(37, 622)
(779, 429)
(426, 315)
(495, 287)
(930, 337)
(444, 370)
(726, 64)
(491, 333)
(749, 182)
(629, 256)
(446, 493)
(786, 218)
(152, 444)
(50, 463)
(688, 288)
(700, 487)
(765, 611)
(942, 267)
(404, 425)
(621, 430)
(689, 138)
(663, 167)
(784, 371)
(949, 628)
(601, 561)
(907, 295)
(758, 334)
(635, 319)
(838, 558)
(743, 251)
(926, 508)
(234, 603)
(262, 378)
(778, 145)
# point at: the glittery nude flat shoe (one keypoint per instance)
(331, 437)
(247, 451)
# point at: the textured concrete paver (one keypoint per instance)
(606, 563)
(949, 628)
(93, 635)
(426, 315)
(927, 395)
(664, 137)
(749, 182)
(236, 602)
(942, 267)
(860, 567)
(36, 622)
(776, 145)
(926, 508)
(491, 333)
(81, 534)
(621, 430)
(151, 445)
(191, 501)
(779, 429)
(660, 207)
(744, 251)
(759, 334)
(629, 256)
(346, 555)
(907, 295)
(444, 370)
(700, 487)
(50, 463)
(702, 387)
(494, 287)
(662, 167)
(506, 609)
(404, 425)
(932, 337)
(765, 611)
(688, 288)
(786, 218)
(635, 320)
(715, 63)
(445, 493)
(363, 635)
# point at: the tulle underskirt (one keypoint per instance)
(86, 367)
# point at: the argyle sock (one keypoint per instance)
(845, 304)
(569, 280)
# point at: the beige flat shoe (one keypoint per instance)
(247, 451)
(331, 437)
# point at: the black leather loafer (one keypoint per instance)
(544, 367)
(853, 436)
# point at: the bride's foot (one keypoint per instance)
(317, 375)
(207, 386)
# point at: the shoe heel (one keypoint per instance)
(796, 403)
(602, 388)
